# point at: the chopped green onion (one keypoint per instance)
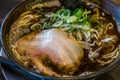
(70, 29)
(84, 17)
(58, 23)
(56, 18)
(47, 25)
(63, 18)
(50, 14)
(63, 13)
(71, 19)
(86, 26)
(78, 12)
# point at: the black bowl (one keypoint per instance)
(14, 14)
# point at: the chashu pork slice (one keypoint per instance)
(53, 51)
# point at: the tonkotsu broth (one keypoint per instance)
(94, 29)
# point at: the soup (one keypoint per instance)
(52, 40)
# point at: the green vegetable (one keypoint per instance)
(84, 17)
(62, 14)
(78, 12)
(58, 23)
(70, 31)
(77, 19)
(47, 25)
(86, 26)
(71, 19)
